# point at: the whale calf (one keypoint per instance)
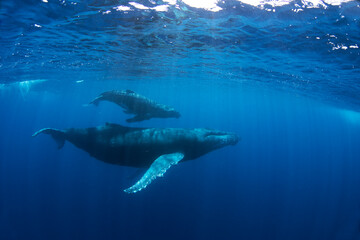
(134, 103)
(156, 149)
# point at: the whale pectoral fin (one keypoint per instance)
(157, 169)
(137, 118)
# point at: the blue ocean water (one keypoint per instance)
(284, 77)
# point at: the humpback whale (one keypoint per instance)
(134, 103)
(156, 149)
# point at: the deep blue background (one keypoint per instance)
(287, 82)
(294, 175)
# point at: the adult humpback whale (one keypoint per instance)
(134, 103)
(154, 148)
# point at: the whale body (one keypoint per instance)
(156, 149)
(134, 103)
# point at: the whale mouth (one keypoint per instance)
(216, 134)
(223, 138)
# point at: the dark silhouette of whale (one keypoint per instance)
(134, 103)
(154, 148)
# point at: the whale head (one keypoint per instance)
(218, 139)
(203, 141)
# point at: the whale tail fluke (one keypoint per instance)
(57, 135)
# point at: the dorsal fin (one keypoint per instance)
(115, 125)
(129, 91)
(120, 128)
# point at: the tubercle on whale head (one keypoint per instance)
(171, 112)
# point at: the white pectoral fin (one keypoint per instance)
(157, 169)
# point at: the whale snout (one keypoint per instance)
(174, 113)
(235, 139)
(231, 139)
